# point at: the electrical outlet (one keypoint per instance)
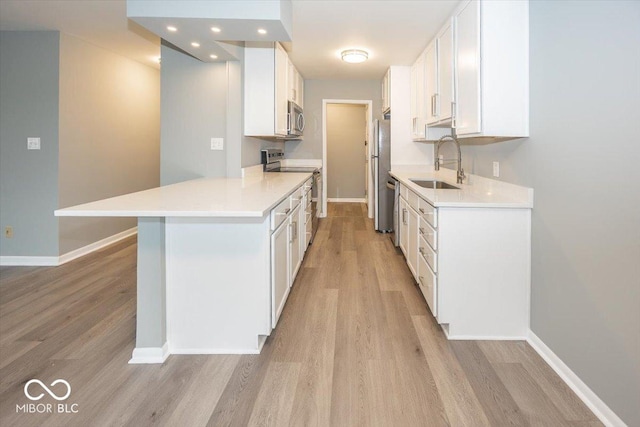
(33, 143)
(496, 169)
(8, 232)
(217, 143)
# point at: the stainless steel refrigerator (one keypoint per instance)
(380, 166)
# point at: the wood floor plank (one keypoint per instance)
(275, 400)
(497, 403)
(459, 400)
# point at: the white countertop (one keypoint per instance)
(476, 192)
(251, 196)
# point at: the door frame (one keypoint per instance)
(369, 117)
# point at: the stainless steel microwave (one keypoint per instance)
(295, 120)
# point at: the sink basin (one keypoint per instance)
(435, 185)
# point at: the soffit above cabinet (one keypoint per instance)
(238, 21)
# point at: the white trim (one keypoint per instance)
(42, 261)
(147, 355)
(369, 104)
(485, 338)
(347, 200)
(593, 402)
(54, 261)
(77, 253)
(261, 340)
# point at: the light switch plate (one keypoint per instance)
(33, 143)
(217, 143)
(496, 169)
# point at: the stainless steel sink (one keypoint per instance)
(435, 185)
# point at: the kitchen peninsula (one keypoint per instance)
(208, 278)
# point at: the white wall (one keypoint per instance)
(109, 135)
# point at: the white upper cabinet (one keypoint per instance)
(270, 82)
(418, 97)
(492, 69)
(439, 78)
(296, 85)
(386, 93)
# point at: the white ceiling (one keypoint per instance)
(393, 31)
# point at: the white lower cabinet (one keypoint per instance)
(279, 270)
(289, 224)
(471, 264)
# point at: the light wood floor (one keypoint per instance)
(355, 346)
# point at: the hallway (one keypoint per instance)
(355, 345)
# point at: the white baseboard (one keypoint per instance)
(345, 200)
(42, 261)
(77, 253)
(54, 261)
(593, 402)
(147, 355)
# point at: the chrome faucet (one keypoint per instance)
(460, 174)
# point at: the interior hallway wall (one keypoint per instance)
(346, 134)
(193, 110)
(29, 108)
(582, 161)
(109, 135)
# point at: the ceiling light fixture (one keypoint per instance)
(354, 56)
(215, 29)
(172, 28)
(195, 44)
(262, 31)
(213, 56)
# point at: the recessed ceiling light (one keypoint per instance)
(195, 44)
(213, 56)
(262, 31)
(172, 28)
(215, 29)
(354, 56)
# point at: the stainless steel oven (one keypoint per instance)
(271, 163)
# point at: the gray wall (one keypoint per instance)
(346, 133)
(582, 160)
(29, 108)
(317, 90)
(109, 135)
(193, 110)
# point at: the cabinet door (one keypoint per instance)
(467, 59)
(418, 97)
(431, 82)
(279, 270)
(281, 89)
(403, 224)
(294, 241)
(412, 241)
(445, 73)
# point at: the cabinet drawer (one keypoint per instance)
(404, 192)
(280, 212)
(307, 185)
(428, 282)
(296, 198)
(414, 200)
(428, 233)
(429, 213)
(428, 254)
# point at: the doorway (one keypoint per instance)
(346, 152)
